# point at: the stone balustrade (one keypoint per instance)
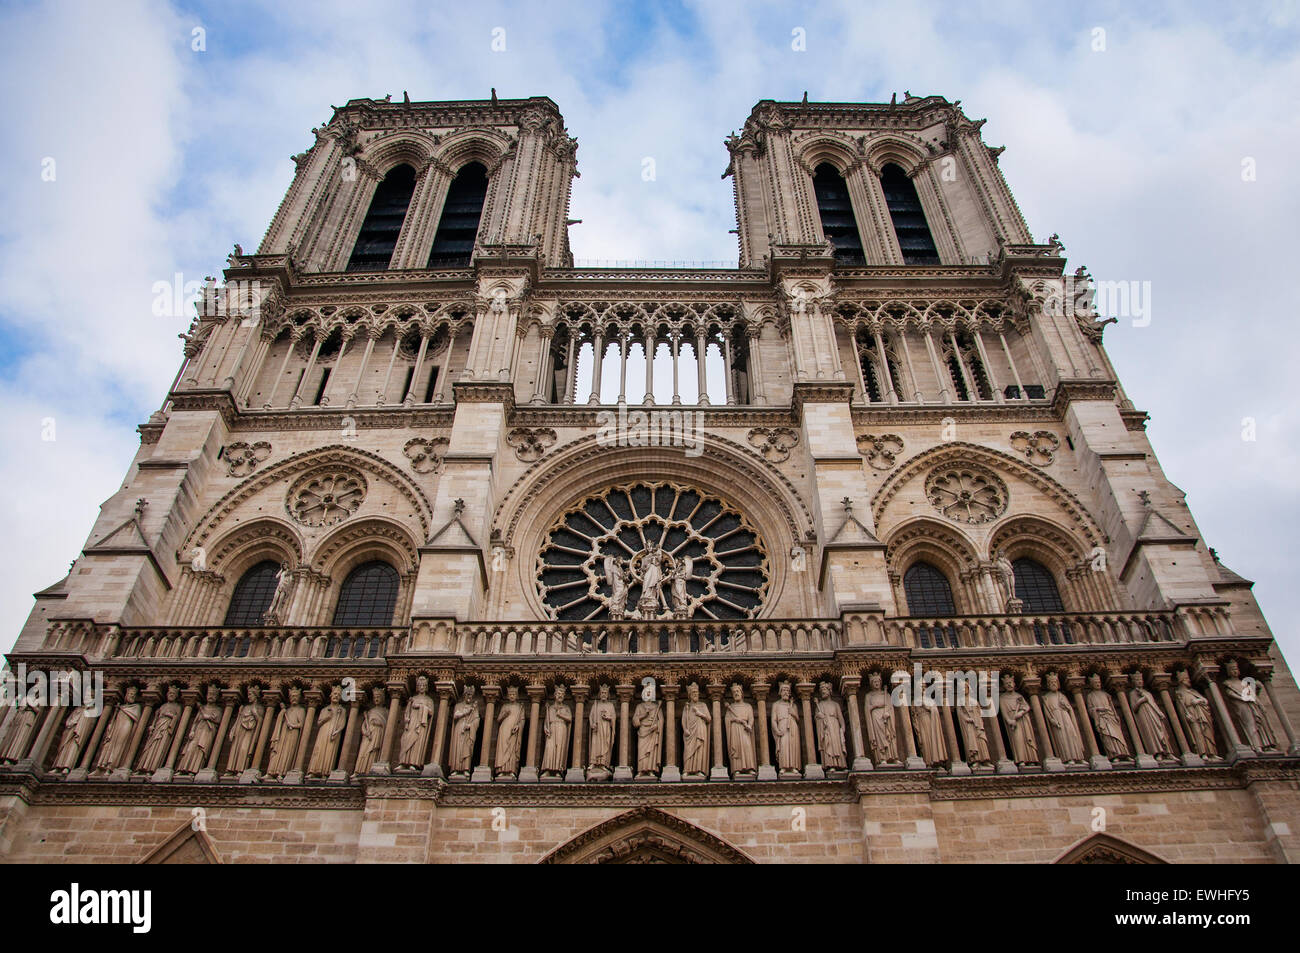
(1003, 631)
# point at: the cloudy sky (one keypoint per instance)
(1129, 142)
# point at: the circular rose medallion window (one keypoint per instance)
(652, 551)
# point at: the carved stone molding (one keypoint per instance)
(1039, 447)
(425, 453)
(242, 458)
(881, 451)
(774, 443)
(531, 443)
(966, 493)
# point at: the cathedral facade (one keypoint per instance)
(443, 549)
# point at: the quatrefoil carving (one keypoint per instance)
(531, 443)
(1039, 447)
(774, 443)
(881, 451)
(243, 458)
(425, 453)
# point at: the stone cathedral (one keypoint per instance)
(441, 548)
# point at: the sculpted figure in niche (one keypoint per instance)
(559, 724)
(288, 731)
(1016, 720)
(331, 721)
(1006, 578)
(1243, 701)
(76, 728)
(243, 733)
(929, 732)
(601, 721)
(117, 739)
(696, 721)
(785, 732)
(464, 729)
(882, 734)
(373, 724)
(1061, 722)
(1196, 712)
(510, 733)
(21, 727)
(829, 719)
(970, 718)
(616, 575)
(1102, 709)
(275, 612)
(652, 578)
(153, 753)
(739, 722)
(681, 598)
(648, 720)
(1151, 722)
(415, 730)
(202, 733)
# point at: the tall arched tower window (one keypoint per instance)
(453, 243)
(914, 238)
(374, 248)
(252, 595)
(836, 211)
(368, 596)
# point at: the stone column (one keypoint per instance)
(271, 701)
(150, 699)
(296, 401)
(396, 690)
(576, 771)
(484, 770)
(993, 730)
(409, 398)
(529, 771)
(1265, 683)
(348, 754)
(88, 753)
(911, 759)
(956, 766)
(849, 689)
(598, 359)
(1119, 683)
(446, 692)
(1099, 762)
(623, 770)
(1051, 762)
(702, 384)
(719, 770)
(812, 769)
(1160, 681)
(672, 771)
(35, 760)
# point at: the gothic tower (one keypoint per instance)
(433, 521)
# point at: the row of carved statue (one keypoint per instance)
(806, 730)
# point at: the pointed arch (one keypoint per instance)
(1107, 849)
(185, 846)
(646, 835)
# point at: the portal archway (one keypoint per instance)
(646, 835)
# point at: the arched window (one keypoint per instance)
(836, 211)
(929, 594)
(453, 243)
(368, 596)
(914, 237)
(378, 237)
(1035, 586)
(253, 594)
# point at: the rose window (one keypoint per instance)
(323, 499)
(652, 551)
(967, 494)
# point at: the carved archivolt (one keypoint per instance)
(1039, 447)
(967, 493)
(881, 451)
(368, 538)
(646, 835)
(960, 453)
(335, 457)
(327, 496)
(242, 458)
(602, 556)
